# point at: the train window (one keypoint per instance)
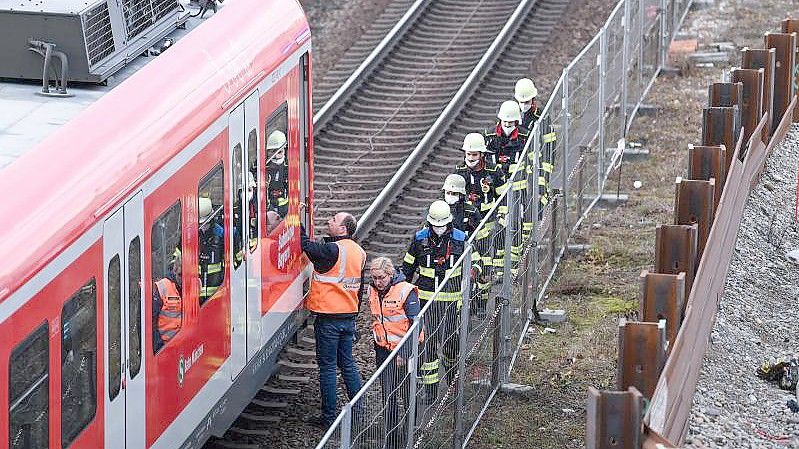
(134, 306)
(252, 187)
(238, 227)
(277, 166)
(29, 395)
(166, 255)
(114, 328)
(78, 362)
(211, 233)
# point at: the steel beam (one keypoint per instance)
(642, 353)
(763, 59)
(719, 128)
(792, 26)
(752, 100)
(785, 46)
(662, 296)
(694, 204)
(675, 252)
(706, 163)
(613, 419)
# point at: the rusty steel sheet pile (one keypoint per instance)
(660, 358)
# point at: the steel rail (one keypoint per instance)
(391, 191)
(369, 64)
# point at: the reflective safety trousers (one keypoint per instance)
(337, 290)
(171, 315)
(389, 321)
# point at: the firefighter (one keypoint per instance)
(484, 183)
(211, 242)
(394, 303)
(484, 180)
(432, 258)
(465, 215)
(507, 143)
(277, 170)
(507, 140)
(467, 218)
(525, 93)
(334, 298)
(168, 304)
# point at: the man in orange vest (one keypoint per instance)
(394, 304)
(167, 304)
(335, 296)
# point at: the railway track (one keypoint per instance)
(447, 63)
(381, 121)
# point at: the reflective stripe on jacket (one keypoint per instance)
(171, 315)
(336, 291)
(389, 321)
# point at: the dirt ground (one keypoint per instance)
(601, 285)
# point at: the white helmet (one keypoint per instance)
(276, 140)
(455, 183)
(509, 112)
(439, 213)
(525, 90)
(205, 208)
(474, 142)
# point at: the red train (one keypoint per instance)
(92, 215)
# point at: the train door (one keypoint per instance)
(253, 260)
(122, 314)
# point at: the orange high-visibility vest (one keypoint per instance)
(337, 290)
(389, 321)
(171, 315)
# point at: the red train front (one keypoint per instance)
(99, 209)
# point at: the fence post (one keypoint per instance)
(532, 186)
(603, 67)
(664, 34)
(564, 160)
(463, 334)
(625, 65)
(507, 282)
(346, 427)
(413, 363)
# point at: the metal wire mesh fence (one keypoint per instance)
(432, 389)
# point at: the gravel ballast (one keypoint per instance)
(756, 321)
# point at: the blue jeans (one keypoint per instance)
(334, 339)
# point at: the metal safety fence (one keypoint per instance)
(432, 390)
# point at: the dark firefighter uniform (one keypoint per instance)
(484, 184)
(278, 189)
(433, 257)
(529, 118)
(211, 269)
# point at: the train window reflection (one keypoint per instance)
(252, 188)
(211, 233)
(78, 362)
(277, 166)
(29, 395)
(167, 266)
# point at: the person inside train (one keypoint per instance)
(277, 169)
(212, 250)
(168, 304)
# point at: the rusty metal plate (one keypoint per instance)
(662, 297)
(706, 163)
(675, 252)
(694, 203)
(792, 26)
(613, 419)
(642, 353)
(763, 59)
(725, 94)
(785, 46)
(719, 126)
(751, 101)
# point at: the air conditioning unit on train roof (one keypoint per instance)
(98, 37)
